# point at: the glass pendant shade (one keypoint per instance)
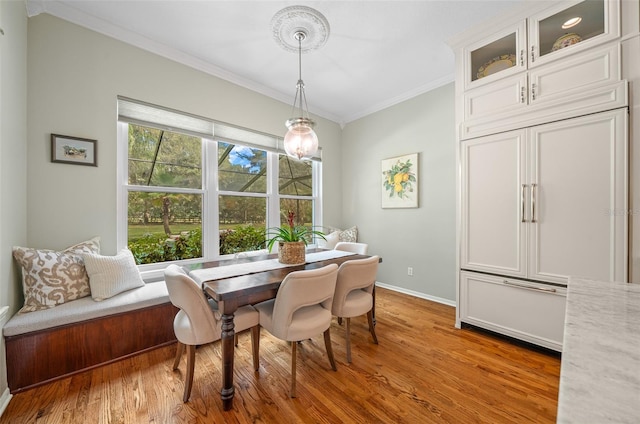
(301, 140)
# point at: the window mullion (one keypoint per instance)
(210, 214)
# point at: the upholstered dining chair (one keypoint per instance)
(198, 322)
(354, 294)
(301, 310)
(348, 246)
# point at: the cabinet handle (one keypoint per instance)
(523, 201)
(522, 94)
(533, 203)
(533, 57)
(522, 57)
(533, 91)
(527, 286)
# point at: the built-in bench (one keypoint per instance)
(76, 336)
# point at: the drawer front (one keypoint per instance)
(525, 310)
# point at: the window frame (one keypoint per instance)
(210, 192)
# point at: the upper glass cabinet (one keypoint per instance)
(570, 27)
(495, 57)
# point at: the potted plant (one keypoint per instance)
(292, 240)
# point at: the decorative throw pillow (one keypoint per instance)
(350, 234)
(110, 275)
(50, 278)
(331, 240)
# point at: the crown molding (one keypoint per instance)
(75, 16)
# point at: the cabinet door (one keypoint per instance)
(492, 233)
(578, 210)
(525, 310)
(571, 27)
(498, 56)
(581, 81)
(493, 101)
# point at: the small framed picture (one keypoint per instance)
(74, 150)
(400, 182)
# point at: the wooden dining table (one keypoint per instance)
(234, 292)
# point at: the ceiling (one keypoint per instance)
(378, 53)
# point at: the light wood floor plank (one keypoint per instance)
(424, 370)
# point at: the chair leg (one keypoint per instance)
(255, 344)
(339, 320)
(327, 345)
(235, 339)
(293, 369)
(191, 359)
(179, 351)
(372, 327)
(348, 339)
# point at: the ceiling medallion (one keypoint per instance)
(289, 21)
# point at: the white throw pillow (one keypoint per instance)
(331, 240)
(110, 275)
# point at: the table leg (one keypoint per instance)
(373, 308)
(228, 333)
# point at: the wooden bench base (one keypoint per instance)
(40, 357)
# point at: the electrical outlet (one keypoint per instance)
(410, 271)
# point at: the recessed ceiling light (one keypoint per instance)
(572, 22)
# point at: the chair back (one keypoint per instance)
(356, 274)
(301, 289)
(348, 246)
(195, 323)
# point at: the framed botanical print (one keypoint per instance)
(400, 182)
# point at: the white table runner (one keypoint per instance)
(234, 270)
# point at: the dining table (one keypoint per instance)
(240, 281)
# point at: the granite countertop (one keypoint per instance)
(600, 369)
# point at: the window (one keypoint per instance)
(185, 196)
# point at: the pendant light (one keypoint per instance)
(301, 140)
(291, 27)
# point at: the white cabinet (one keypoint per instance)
(539, 38)
(522, 309)
(512, 80)
(541, 117)
(581, 84)
(548, 201)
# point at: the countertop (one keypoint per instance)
(600, 368)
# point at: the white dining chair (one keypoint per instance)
(354, 294)
(348, 246)
(196, 323)
(301, 310)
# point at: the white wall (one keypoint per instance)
(74, 78)
(13, 135)
(423, 237)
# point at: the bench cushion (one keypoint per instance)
(154, 293)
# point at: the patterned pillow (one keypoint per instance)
(111, 275)
(350, 234)
(50, 278)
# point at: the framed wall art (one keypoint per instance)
(400, 182)
(74, 150)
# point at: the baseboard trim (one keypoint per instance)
(416, 294)
(4, 400)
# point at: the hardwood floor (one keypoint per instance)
(423, 371)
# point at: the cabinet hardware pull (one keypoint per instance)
(522, 200)
(527, 286)
(533, 91)
(522, 92)
(533, 58)
(522, 57)
(533, 203)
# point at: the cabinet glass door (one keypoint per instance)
(498, 56)
(564, 29)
